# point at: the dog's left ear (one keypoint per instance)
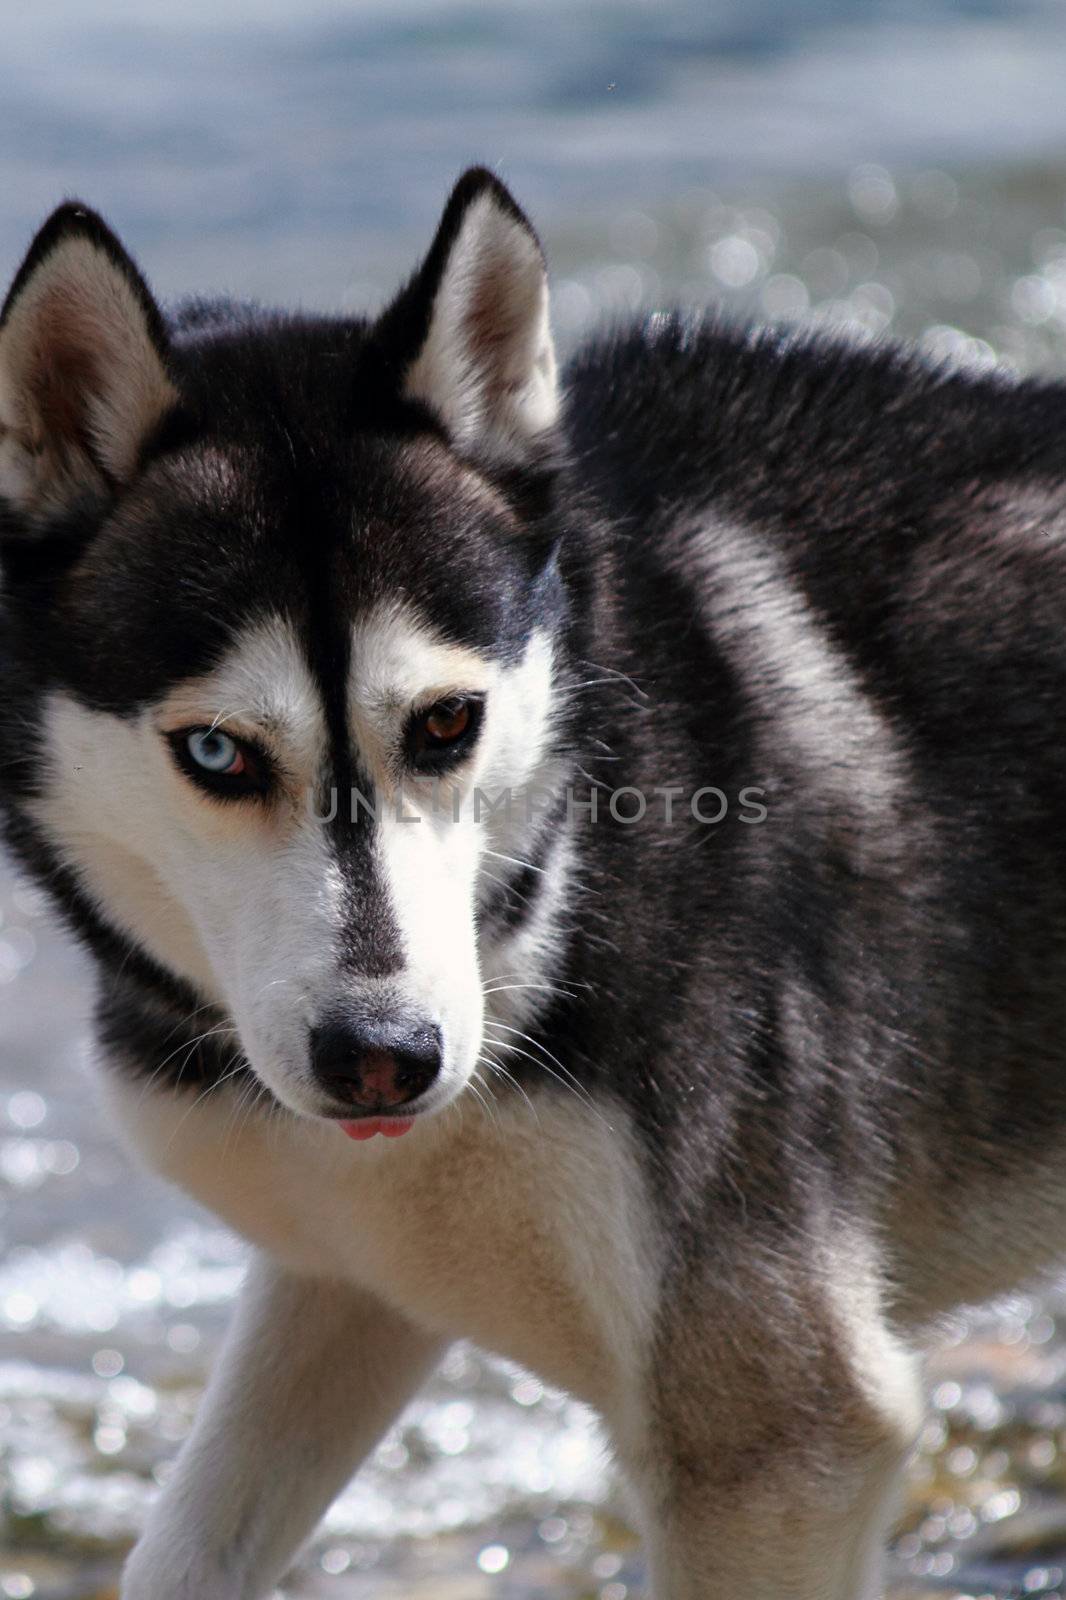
(470, 332)
(83, 377)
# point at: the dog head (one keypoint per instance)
(283, 610)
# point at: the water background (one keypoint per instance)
(895, 168)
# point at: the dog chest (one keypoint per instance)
(527, 1230)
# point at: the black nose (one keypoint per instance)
(375, 1066)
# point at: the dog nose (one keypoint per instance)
(375, 1066)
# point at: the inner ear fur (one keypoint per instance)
(83, 367)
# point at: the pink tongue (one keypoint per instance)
(391, 1127)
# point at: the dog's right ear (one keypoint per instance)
(83, 370)
(469, 337)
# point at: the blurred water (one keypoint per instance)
(302, 151)
(888, 167)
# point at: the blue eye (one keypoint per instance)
(215, 752)
(231, 769)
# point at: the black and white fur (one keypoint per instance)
(727, 1115)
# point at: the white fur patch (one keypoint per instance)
(809, 692)
(242, 900)
(398, 660)
(434, 841)
(527, 1227)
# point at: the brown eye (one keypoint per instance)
(448, 721)
(444, 730)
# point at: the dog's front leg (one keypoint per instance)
(312, 1374)
(818, 1538)
(774, 1447)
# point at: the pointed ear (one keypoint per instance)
(83, 377)
(471, 329)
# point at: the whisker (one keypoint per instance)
(509, 1077)
(211, 1087)
(527, 866)
(234, 1067)
(613, 672)
(189, 1047)
(489, 1109)
(563, 1076)
(567, 987)
(549, 988)
(224, 716)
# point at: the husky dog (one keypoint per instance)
(575, 861)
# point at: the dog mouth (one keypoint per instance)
(368, 1127)
(391, 1122)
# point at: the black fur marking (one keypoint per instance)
(190, 1051)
